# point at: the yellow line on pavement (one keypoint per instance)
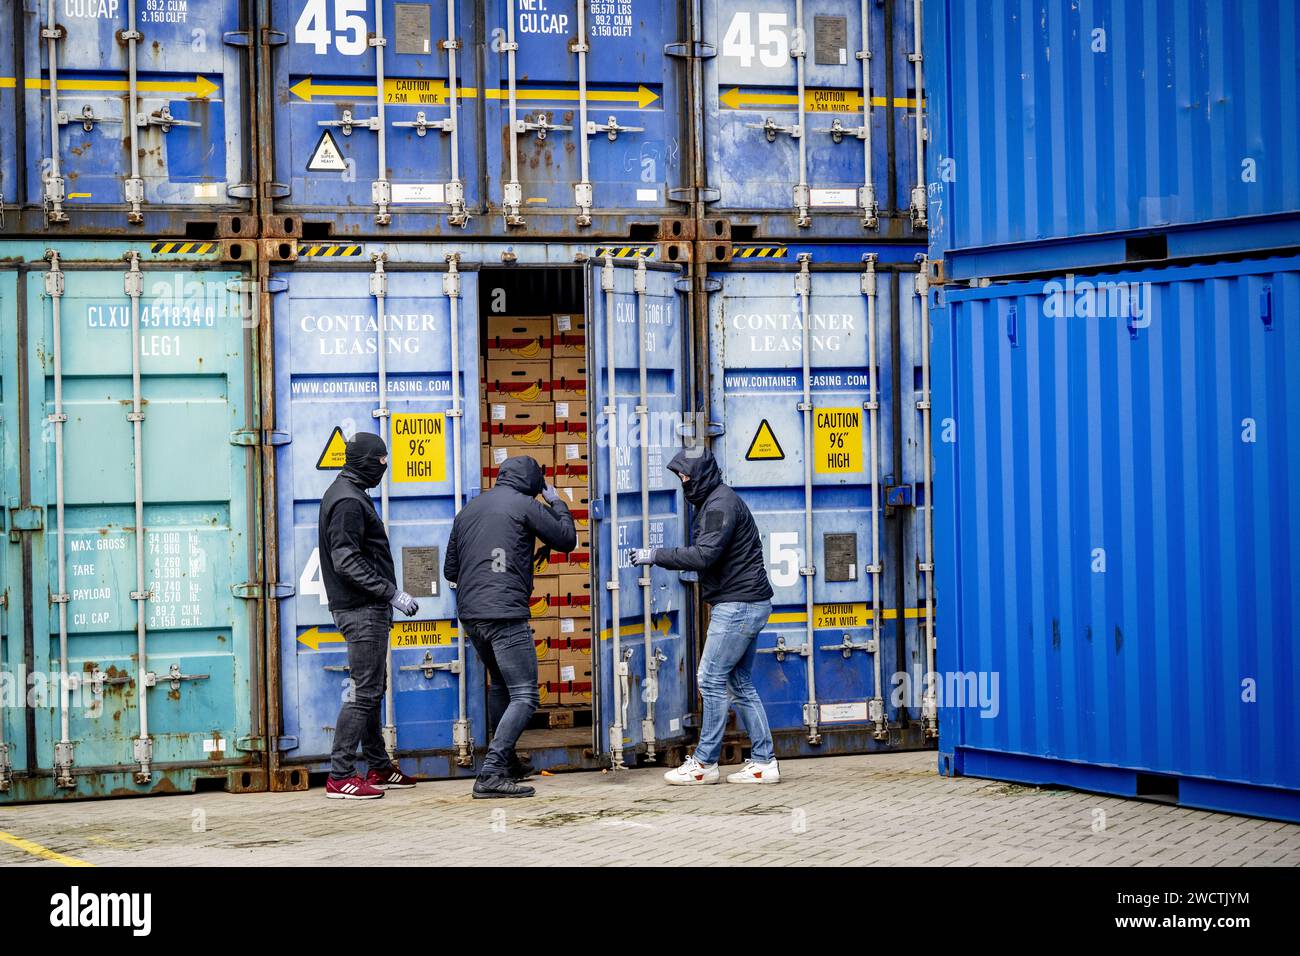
(35, 849)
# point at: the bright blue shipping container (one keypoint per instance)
(131, 651)
(810, 119)
(114, 127)
(1117, 518)
(1067, 134)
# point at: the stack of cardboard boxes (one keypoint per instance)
(534, 388)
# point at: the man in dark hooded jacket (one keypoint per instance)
(357, 569)
(727, 552)
(490, 564)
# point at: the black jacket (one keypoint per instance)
(727, 550)
(356, 562)
(490, 551)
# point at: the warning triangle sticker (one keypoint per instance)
(326, 158)
(334, 453)
(764, 447)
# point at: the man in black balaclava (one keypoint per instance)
(490, 564)
(357, 569)
(728, 554)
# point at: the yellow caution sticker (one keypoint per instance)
(419, 448)
(402, 634)
(840, 615)
(837, 440)
(334, 453)
(764, 446)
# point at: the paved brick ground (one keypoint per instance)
(835, 811)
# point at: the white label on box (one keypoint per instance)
(647, 195)
(215, 745)
(561, 409)
(499, 455)
(566, 625)
(419, 192)
(572, 451)
(838, 713)
(833, 197)
(498, 413)
(564, 323)
(568, 673)
(207, 190)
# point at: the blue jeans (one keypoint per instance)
(724, 679)
(506, 649)
(365, 629)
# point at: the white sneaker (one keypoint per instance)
(754, 772)
(692, 774)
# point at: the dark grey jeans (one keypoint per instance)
(506, 649)
(366, 631)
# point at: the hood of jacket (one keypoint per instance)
(523, 474)
(363, 456)
(699, 465)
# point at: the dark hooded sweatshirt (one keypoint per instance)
(727, 550)
(355, 560)
(490, 551)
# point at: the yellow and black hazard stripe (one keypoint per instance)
(338, 249)
(760, 252)
(625, 252)
(182, 248)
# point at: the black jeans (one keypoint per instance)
(506, 649)
(366, 631)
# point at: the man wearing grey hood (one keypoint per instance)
(356, 566)
(490, 564)
(727, 552)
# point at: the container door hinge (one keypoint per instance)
(257, 745)
(275, 190)
(237, 38)
(682, 284)
(253, 437)
(689, 194)
(698, 49)
(253, 590)
(241, 191)
(272, 37)
(24, 519)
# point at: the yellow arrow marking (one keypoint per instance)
(35, 849)
(417, 91)
(200, 87)
(815, 101)
(403, 634)
(660, 624)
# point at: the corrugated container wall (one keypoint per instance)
(177, 160)
(1118, 506)
(1071, 134)
(136, 666)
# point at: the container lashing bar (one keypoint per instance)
(876, 707)
(919, 203)
(379, 292)
(134, 286)
(929, 703)
(650, 690)
(838, 131)
(611, 424)
(451, 289)
(134, 185)
(803, 289)
(65, 749)
(54, 184)
(512, 200)
(799, 52)
(582, 191)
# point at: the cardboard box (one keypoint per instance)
(546, 637)
(548, 681)
(520, 423)
(545, 598)
(570, 421)
(571, 479)
(573, 595)
(518, 380)
(544, 455)
(579, 501)
(569, 335)
(574, 670)
(574, 634)
(518, 337)
(571, 459)
(568, 379)
(485, 465)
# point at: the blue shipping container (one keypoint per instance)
(176, 156)
(1117, 515)
(786, 88)
(1111, 120)
(136, 667)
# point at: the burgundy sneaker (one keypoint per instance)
(351, 788)
(390, 779)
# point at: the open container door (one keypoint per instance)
(337, 372)
(638, 350)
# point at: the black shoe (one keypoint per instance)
(521, 769)
(489, 788)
